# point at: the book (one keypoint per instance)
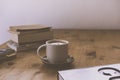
(29, 46)
(7, 54)
(27, 38)
(22, 28)
(30, 31)
(105, 72)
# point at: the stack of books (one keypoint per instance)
(27, 37)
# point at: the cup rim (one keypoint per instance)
(59, 40)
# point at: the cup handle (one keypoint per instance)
(38, 50)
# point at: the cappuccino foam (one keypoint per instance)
(57, 43)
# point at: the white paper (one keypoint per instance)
(90, 73)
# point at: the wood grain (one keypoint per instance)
(88, 47)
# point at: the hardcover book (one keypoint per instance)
(28, 28)
(106, 72)
(29, 31)
(7, 54)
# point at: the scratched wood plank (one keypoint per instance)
(88, 47)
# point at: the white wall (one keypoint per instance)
(83, 14)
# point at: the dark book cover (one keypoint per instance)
(7, 54)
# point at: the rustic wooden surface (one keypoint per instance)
(88, 47)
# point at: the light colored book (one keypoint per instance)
(28, 28)
(28, 38)
(106, 72)
(24, 47)
(29, 31)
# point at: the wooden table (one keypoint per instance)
(88, 47)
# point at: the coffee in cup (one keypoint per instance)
(56, 51)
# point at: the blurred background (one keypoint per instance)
(60, 14)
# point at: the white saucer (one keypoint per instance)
(68, 61)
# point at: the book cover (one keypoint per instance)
(106, 72)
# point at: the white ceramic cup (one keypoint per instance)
(56, 51)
